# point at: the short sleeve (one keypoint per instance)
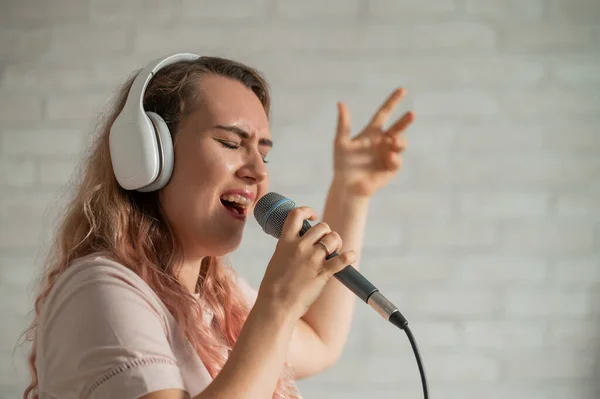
(103, 336)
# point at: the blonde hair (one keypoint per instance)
(131, 227)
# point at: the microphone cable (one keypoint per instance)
(400, 321)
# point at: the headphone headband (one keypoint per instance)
(141, 147)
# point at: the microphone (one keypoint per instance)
(271, 211)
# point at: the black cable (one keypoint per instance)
(398, 320)
(413, 343)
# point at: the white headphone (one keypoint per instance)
(141, 148)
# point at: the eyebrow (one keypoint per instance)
(244, 134)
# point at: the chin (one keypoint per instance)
(223, 246)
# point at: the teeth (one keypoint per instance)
(238, 199)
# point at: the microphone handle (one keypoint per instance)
(362, 288)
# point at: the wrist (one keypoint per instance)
(273, 311)
(340, 190)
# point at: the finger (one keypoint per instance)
(395, 143)
(401, 124)
(384, 112)
(343, 123)
(339, 262)
(393, 161)
(316, 232)
(293, 223)
(332, 241)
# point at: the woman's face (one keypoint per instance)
(219, 169)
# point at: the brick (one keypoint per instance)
(133, 12)
(499, 336)
(11, 333)
(254, 39)
(19, 235)
(537, 302)
(418, 205)
(311, 9)
(473, 71)
(388, 369)
(502, 205)
(20, 108)
(542, 365)
(533, 170)
(414, 72)
(463, 367)
(435, 36)
(521, 388)
(548, 238)
(430, 136)
(575, 10)
(455, 302)
(546, 38)
(502, 11)
(550, 102)
(41, 141)
(574, 205)
(452, 235)
(24, 206)
(54, 173)
(576, 334)
(400, 9)
(580, 270)
(576, 71)
(67, 40)
(16, 173)
(55, 11)
(431, 336)
(14, 373)
(492, 136)
(74, 77)
(581, 136)
(75, 107)
(23, 44)
(225, 9)
(456, 103)
(499, 269)
(410, 269)
(18, 270)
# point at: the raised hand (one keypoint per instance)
(368, 161)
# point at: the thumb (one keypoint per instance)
(343, 123)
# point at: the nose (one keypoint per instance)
(254, 170)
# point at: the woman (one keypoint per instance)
(137, 301)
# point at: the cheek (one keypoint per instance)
(263, 187)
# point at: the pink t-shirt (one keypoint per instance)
(104, 334)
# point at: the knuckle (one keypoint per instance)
(347, 257)
(323, 225)
(296, 212)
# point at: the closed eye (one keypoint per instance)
(234, 146)
(229, 144)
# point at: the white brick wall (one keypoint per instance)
(489, 239)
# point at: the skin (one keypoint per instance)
(205, 168)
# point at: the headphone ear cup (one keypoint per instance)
(165, 152)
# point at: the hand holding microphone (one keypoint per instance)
(300, 266)
(279, 217)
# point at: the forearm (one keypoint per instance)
(330, 316)
(256, 362)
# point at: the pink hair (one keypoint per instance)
(102, 217)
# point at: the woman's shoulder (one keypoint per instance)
(89, 272)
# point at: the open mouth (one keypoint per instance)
(236, 204)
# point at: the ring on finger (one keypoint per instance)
(325, 246)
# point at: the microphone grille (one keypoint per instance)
(270, 212)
